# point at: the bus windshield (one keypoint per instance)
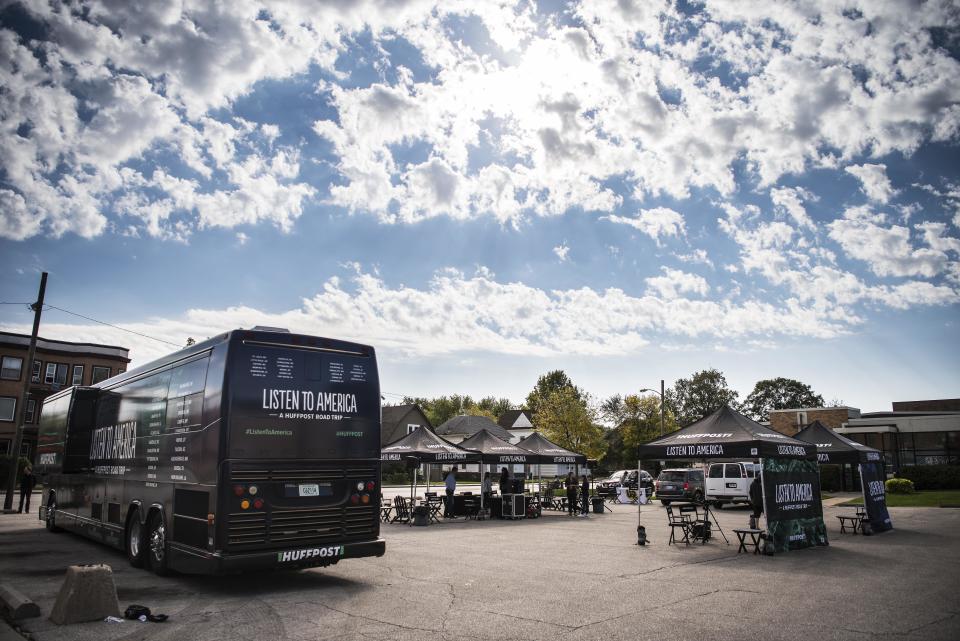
(289, 401)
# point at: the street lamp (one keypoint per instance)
(647, 389)
(662, 398)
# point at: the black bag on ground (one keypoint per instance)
(641, 535)
(134, 612)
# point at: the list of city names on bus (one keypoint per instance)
(258, 366)
(358, 373)
(336, 370)
(285, 367)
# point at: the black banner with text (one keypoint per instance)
(791, 493)
(875, 496)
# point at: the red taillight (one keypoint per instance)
(370, 486)
(238, 490)
(365, 499)
(258, 504)
(355, 499)
(686, 485)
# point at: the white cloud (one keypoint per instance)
(562, 251)
(874, 182)
(790, 200)
(887, 250)
(675, 282)
(655, 222)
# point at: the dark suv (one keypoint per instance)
(683, 484)
(627, 478)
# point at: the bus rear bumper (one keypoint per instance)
(294, 558)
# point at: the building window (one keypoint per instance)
(77, 375)
(801, 419)
(10, 369)
(8, 408)
(31, 408)
(56, 374)
(411, 427)
(37, 366)
(100, 374)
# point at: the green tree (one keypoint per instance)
(779, 394)
(637, 420)
(565, 417)
(548, 383)
(497, 407)
(692, 398)
(442, 408)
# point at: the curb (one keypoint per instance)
(9, 634)
(15, 604)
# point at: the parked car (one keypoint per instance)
(627, 478)
(681, 484)
(730, 482)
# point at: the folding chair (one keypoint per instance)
(677, 522)
(385, 510)
(401, 510)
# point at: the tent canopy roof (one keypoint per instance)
(427, 447)
(496, 450)
(547, 451)
(726, 433)
(836, 448)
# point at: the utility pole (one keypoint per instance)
(661, 406)
(27, 371)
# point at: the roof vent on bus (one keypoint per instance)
(264, 328)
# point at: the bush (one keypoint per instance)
(900, 486)
(933, 477)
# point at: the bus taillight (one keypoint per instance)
(355, 499)
(258, 504)
(238, 490)
(370, 486)
(365, 499)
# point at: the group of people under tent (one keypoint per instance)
(506, 481)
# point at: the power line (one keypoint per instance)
(67, 311)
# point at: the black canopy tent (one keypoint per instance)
(789, 475)
(836, 448)
(494, 450)
(546, 451)
(425, 447)
(726, 434)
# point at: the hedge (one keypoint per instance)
(830, 478)
(932, 477)
(899, 486)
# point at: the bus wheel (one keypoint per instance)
(136, 544)
(157, 541)
(51, 516)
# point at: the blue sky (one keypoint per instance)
(486, 191)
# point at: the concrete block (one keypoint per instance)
(88, 594)
(16, 604)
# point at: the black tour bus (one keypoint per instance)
(255, 449)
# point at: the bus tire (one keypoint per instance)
(136, 541)
(157, 549)
(51, 516)
(664, 502)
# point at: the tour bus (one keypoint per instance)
(255, 449)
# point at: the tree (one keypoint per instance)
(779, 394)
(636, 419)
(550, 382)
(442, 408)
(565, 417)
(692, 398)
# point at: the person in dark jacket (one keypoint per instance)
(571, 494)
(27, 483)
(756, 497)
(504, 481)
(585, 495)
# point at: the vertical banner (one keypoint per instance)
(791, 496)
(875, 496)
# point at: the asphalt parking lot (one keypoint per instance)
(549, 578)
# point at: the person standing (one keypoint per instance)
(571, 494)
(451, 485)
(504, 481)
(486, 488)
(27, 483)
(585, 495)
(756, 500)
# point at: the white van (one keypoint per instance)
(730, 482)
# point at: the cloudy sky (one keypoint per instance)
(487, 190)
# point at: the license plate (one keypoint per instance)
(309, 489)
(668, 487)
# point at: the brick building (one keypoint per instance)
(791, 421)
(56, 365)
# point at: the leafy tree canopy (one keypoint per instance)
(565, 417)
(442, 408)
(551, 382)
(779, 394)
(693, 398)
